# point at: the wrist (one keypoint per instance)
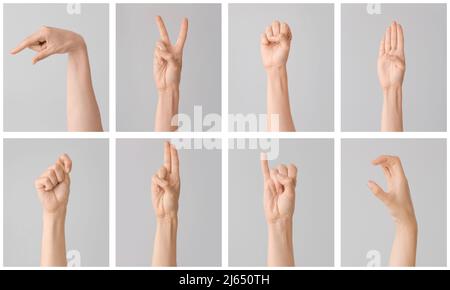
(168, 219)
(407, 225)
(280, 243)
(55, 217)
(171, 90)
(54, 221)
(281, 225)
(393, 91)
(78, 44)
(167, 109)
(276, 71)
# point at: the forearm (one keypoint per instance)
(82, 109)
(403, 252)
(392, 115)
(278, 100)
(167, 109)
(280, 246)
(53, 248)
(165, 246)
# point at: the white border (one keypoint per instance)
(112, 135)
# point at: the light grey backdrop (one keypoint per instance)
(310, 64)
(424, 87)
(199, 217)
(313, 218)
(35, 95)
(137, 34)
(87, 215)
(366, 223)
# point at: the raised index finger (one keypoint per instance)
(265, 166)
(162, 29)
(183, 33)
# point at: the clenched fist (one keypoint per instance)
(275, 45)
(53, 186)
(166, 185)
(49, 40)
(279, 191)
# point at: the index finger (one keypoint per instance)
(26, 42)
(265, 166)
(183, 33)
(167, 163)
(382, 159)
(162, 29)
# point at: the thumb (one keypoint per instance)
(41, 55)
(377, 191)
(264, 40)
(160, 182)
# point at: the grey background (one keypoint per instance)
(424, 86)
(35, 95)
(367, 225)
(87, 224)
(310, 65)
(199, 216)
(137, 34)
(313, 217)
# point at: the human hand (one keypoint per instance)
(397, 198)
(53, 186)
(166, 185)
(48, 40)
(167, 59)
(279, 191)
(275, 45)
(391, 58)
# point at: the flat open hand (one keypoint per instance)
(275, 45)
(391, 58)
(397, 198)
(167, 60)
(53, 186)
(166, 184)
(48, 40)
(279, 190)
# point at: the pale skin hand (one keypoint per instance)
(82, 109)
(167, 63)
(391, 71)
(165, 196)
(279, 204)
(53, 188)
(275, 46)
(397, 199)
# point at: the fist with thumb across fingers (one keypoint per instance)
(53, 186)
